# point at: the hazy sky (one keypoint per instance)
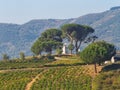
(21, 11)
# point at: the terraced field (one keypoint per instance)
(17, 80)
(65, 78)
(70, 76)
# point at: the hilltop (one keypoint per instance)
(15, 38)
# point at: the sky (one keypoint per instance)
(22, 11)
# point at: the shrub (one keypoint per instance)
(22, 56)
(58, 51)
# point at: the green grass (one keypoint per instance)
(66, 61)
(70, 57)
(16, 80)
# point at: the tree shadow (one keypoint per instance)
(60, 65)
(115, 66)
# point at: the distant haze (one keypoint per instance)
(21, 11)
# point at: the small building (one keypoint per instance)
(64, 49)
(112, 59)
(115, 58)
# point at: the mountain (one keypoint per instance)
(15, 38)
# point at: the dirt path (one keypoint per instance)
(29, 85)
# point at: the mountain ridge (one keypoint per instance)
(15, 38)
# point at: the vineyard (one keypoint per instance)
(64, 78)
(55, 78)
(65, 75)
(16, 80)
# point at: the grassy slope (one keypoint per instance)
(108, 79)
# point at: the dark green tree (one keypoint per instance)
(91, 39)
(5, 57)
(49, 46)
(71, 47)
(76, 33)
(37, 48)
(48, 41)
(52, 34)
(97, 52)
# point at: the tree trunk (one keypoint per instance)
(95, 67)
(71, 52)
(76, 50)
(77, 45)
(99, 62)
